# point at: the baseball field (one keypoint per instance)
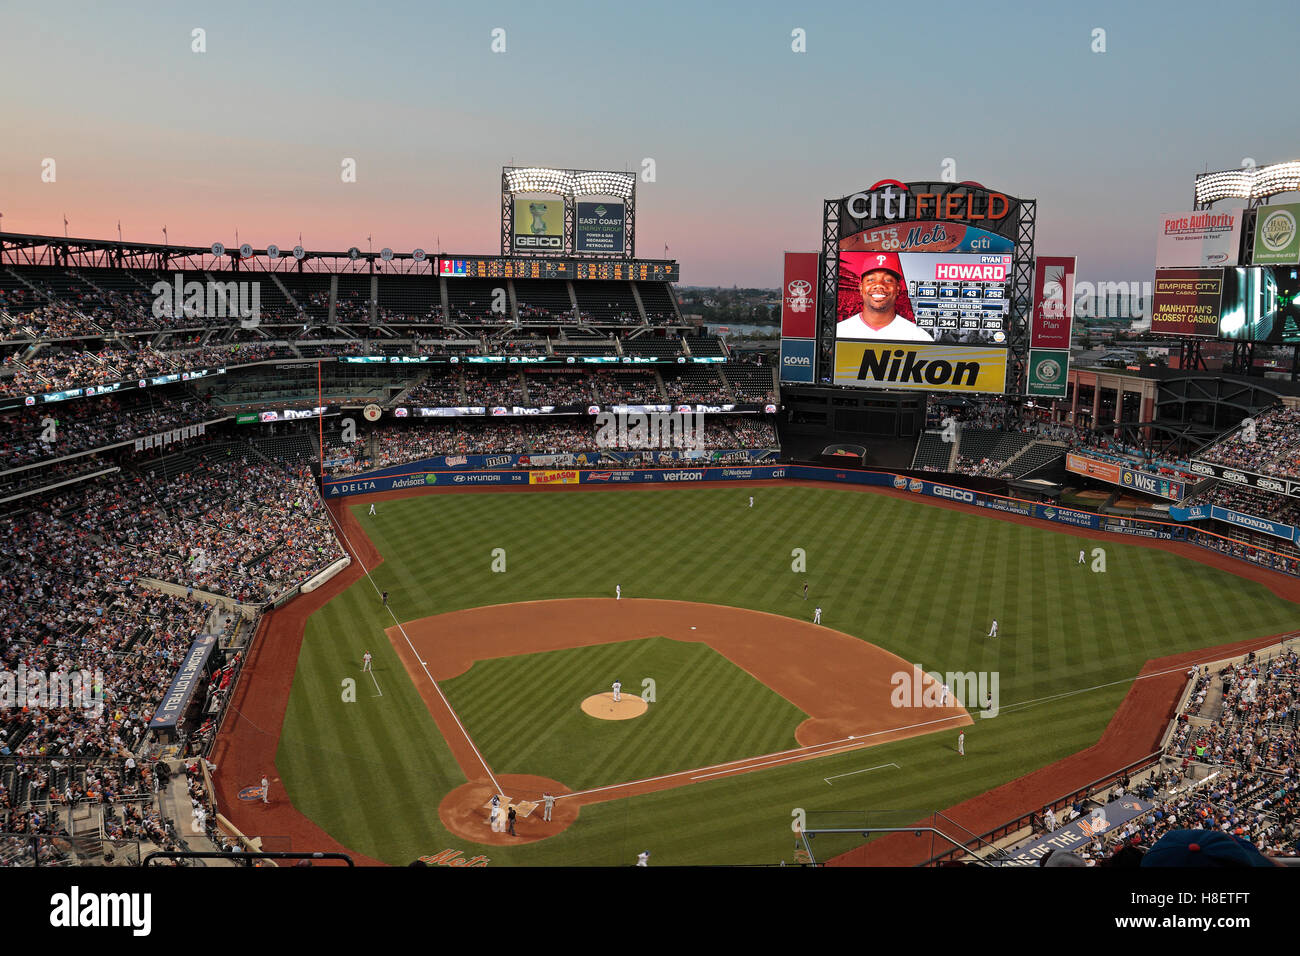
(502, 620)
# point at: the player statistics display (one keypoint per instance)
(949, 299)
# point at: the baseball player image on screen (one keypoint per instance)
(880, 283)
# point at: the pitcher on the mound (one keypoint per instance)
(618, 691)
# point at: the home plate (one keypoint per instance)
(692, 627)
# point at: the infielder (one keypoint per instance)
(961, 744)
(817, 615)
(372, 507)
(618, 592)
(993, 631)
(618, 691)
(548, 804)
(943, 697)
(266, 790)
(365, 662)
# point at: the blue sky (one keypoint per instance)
(747, 136)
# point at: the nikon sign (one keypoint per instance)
(939, 368)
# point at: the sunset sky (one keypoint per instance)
(747, 136)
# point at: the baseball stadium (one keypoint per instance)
(436, 557)
(499, 561)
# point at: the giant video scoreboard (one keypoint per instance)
(502, 267)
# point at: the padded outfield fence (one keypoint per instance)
(333, 489)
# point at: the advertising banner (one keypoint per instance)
(921, 367)
(1277, 486)
(799, 296)
(1116, 474)
(599, 228)
(927, 236)
(1101, 470)
(1053, 314)
(1049, 371)
(552, 477)
(797, 359)
(1081, 831)
(1275, 528)
(1277, 240)
(539, 225)
(184, 684)
(1186, 302)
(1206, 237)
(1080, 519)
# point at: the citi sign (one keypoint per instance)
(890, 199)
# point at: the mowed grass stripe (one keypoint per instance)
(921, 581)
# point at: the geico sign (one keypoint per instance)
(539, 242)
(956, 494)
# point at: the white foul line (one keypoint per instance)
(469, 740)
(373, 678)
(852, 772)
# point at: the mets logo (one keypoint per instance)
(251, 794)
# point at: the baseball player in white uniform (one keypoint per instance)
(266, 790)
(372, 507)
(961, 744)
(643, 858)
(943, 696)
(618, 592)
(993, 631)
(817, 615)
(1081, 556)
(548, 804)
(618, 691)
(751, 501)
(365, 662)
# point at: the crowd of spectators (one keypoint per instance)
(558, 388)
(397, 444)
(81, 426)
(1247, 501)
(1269, 446)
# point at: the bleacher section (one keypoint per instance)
(932, 452)
(609, 303)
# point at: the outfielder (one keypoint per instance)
(817, 615)
(993, 631)
(943, 697)
(365, 662)
(961, 744)
(618, 691)
(618, 592)
(1081, 556)
(751, 501)
(372, 507)
(643, 858)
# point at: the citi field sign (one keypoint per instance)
(891, 201)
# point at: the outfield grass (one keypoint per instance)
(706, 711)
(918, 580)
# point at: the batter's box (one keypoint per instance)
(505, 802)
(524, 808)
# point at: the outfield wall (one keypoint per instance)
(1137, 527)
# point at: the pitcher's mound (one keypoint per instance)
(604, 707)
